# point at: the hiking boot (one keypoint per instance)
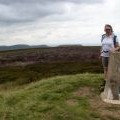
(103, 83)
(102, 86)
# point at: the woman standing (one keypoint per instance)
(110, 44)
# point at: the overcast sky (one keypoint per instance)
(55, 22)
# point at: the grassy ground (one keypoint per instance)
(18, 75)
(72, 97)
(27, 92)
(21, 67)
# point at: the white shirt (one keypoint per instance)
(107, 45)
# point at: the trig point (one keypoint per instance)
(111, 92)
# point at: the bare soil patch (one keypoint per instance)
(82, 91)
(105, 110)
(72, 102)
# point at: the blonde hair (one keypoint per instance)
(107, 25)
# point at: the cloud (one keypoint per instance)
(20, 11)
(56, 21)
(47, 1)
(24, 13)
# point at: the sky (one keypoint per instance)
(57, 22)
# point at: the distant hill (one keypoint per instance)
(21, 46)
(49, 55)
(70, 45)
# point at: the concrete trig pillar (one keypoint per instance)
(111, 92)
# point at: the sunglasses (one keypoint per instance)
(108, 29)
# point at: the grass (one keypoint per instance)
(19, 75)
(54, 99)
(54, 90)
(16, 70)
